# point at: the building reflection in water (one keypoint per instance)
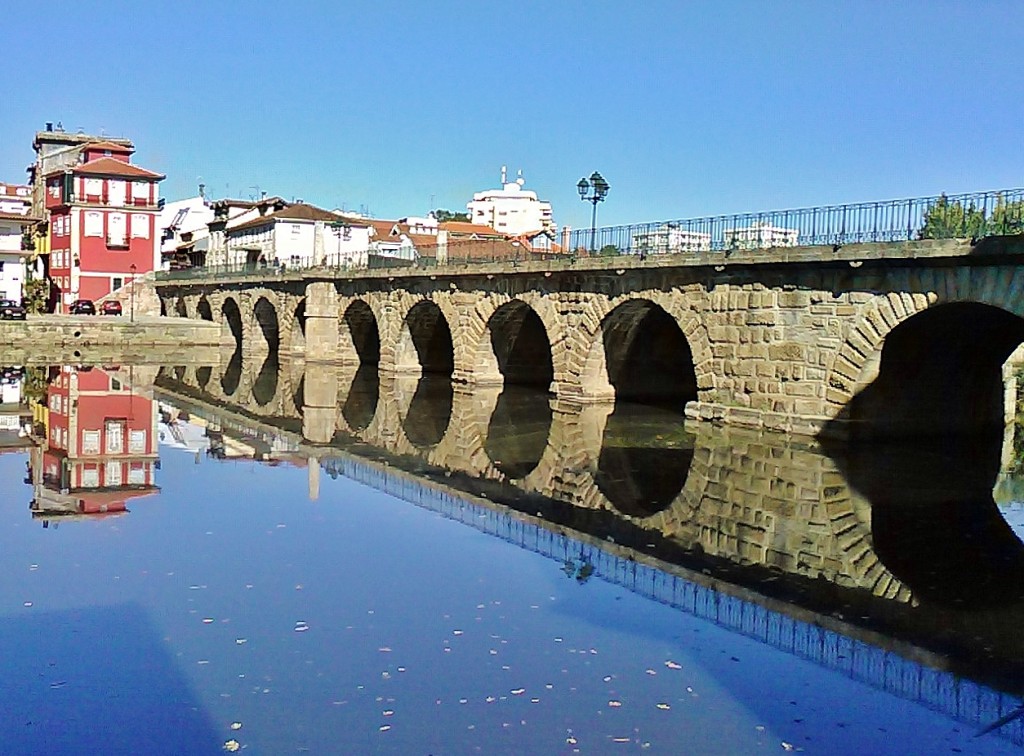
(98, 443)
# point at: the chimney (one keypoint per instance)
(566, 237)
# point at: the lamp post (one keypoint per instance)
(593, 191)
(132, 294)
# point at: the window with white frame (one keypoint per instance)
(140, 226)
(116, 230)
(140, 190)
(91, 477)
(115, 436)
(93, 187)
(93, 223)
(90, 442)
(112, 473)
(116, 192)
(137, 474)
(137, 442)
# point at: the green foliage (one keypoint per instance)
(447, 215)
(609, 250)
(951, 220)
(37, 295)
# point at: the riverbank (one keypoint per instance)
(74, 337)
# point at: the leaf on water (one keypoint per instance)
(673, 665)
(664, 706)
(384, 728)
(231, 745)
(236, 725)
(615, 704)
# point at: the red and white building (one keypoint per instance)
(101, 445)
(103, 223)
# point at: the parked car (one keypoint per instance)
(83, 307)
(110, 307)
(11, 310)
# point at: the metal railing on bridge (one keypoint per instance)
(940, 217)
(971, 216)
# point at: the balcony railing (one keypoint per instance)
(67, 198)
(970, 216)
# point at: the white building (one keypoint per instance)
(760, 236)
(15, 203)
(669, 239)
(511, 210)
(184, 226)
(299, 236)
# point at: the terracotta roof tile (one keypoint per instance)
(300, 212)
(106, 145)
(108, 166)
(463, 228)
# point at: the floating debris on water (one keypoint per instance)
(232, 745)
(673, 665)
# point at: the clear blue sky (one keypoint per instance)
(687, 108)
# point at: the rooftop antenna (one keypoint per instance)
(504, 175)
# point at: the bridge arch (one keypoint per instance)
(425, 341)
(646, 349)
(294, 329)
(203, 308)
(180, 307)
(520, 345)
(930, 362)
(359, 333)
(268, 333)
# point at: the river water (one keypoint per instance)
(411, 567)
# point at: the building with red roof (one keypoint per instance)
(102, 213)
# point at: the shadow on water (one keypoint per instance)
(96, 680)
(645, 459)
(430, 411)
(361, 403)
(517, 433)
(934, 521)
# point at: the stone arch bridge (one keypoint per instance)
(881, 339)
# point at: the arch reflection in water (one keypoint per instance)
(265, 386)
(934, 521)
(645, 459)
(430, 411)
(232, 376)
(361, 402)
(518, 431)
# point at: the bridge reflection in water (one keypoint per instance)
(891, 565)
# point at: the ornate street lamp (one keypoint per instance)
(593, 191)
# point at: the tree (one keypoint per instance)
(447, 215)
(951, 220)
(609, 250)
